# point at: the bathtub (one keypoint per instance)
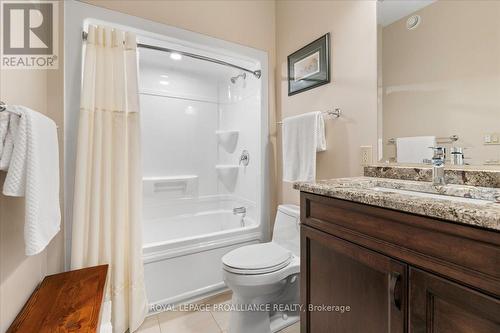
(184, 242)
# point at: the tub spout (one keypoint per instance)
(240, 211)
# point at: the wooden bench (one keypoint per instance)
(65, 302)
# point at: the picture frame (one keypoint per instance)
(309, 67)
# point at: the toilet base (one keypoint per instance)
(260, 321)
(266, 317)
(248, 321)
(277, 324)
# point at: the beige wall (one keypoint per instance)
(352, 25)
(443, 78)
(41, 90)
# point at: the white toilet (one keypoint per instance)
(264, 278)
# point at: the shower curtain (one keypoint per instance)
(108, 179)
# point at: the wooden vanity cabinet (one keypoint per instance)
(396, 272)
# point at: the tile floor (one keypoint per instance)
(196, 322)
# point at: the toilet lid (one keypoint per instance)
(257, 259)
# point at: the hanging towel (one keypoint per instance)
(4, 126)
(12, 122)
(34, 174)
(414, 149)
(303, 136)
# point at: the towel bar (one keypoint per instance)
(449, 139)
(3, 107)
(334, 113)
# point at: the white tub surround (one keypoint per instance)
(108, 189)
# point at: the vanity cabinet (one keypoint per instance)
(397, 272)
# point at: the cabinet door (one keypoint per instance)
(441, 306)
(335, 272)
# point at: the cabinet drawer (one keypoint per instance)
(463, 253)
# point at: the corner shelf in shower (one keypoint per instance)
(228, 175)
(227, 140)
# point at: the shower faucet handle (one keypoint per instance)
(245, 158)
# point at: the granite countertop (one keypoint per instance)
(454, 204)
(487, 176)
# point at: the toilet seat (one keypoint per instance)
(256, 280)
(257, 259)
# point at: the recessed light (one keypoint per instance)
(164, 76)
(175, 56)
(165, 83)
(190, 110)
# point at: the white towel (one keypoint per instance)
(414, 149)
(8, 142)
(34, 173)
(303, 136)
(4, 126)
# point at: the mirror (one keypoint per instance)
(439, 81)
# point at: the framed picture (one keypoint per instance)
(309, 67)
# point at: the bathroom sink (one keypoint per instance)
(432, 195)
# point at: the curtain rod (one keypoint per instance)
(256, 73)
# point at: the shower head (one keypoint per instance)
(234, 78)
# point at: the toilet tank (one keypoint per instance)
(286, 232)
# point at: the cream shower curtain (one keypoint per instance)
(108, 181)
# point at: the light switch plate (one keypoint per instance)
(366, 155)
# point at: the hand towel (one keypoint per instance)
(303, 137)
(8, 142)
(34, 173)
(414, 149)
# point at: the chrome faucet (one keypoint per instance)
(438, 165)
(240, 211)
(457, 156)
